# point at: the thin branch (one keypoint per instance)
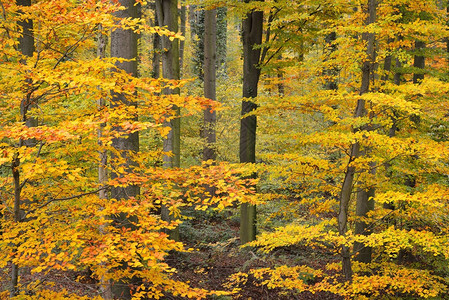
(6, 29)
(63, 199)
(268, 32)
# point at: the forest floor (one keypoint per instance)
(220, 255)
(217, 255)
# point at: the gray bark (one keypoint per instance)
(124, 45)
(156, 53)
(210, 24)
(167, 15)
(183, 32)
(106, 290)
(252, 36)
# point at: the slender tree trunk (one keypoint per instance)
(197, 39)
(346, 191)
(252, 36)
(17, 199)
(183, 32)
(26, 48)
(167, 15)
(124, 45)
(221, 40)
(156, 54)
(210, 24)
(105, 286)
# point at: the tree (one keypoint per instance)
(167, 15)
(124, 46)
(64, 223)
(321, 165)
(252, 29)
(26, 48)
(210, 34)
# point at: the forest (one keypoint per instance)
(224, 149)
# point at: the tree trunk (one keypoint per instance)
(252, 36)
(364, 205)
(210, 24)
(419, 62)
(182, 43)
(124, 45)
(197, 39)
(346, 190)
(156, 57)
(26, 48)
(167, 15)
(221, 40)
(105, 286)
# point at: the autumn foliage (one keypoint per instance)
(53, 131)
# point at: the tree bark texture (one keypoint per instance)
(346, 190)
(252, 36)
(222, 37)
(105, 286)
(156, 53)
(124, 45)
(210, 26)
(183, 17)
(167, 15)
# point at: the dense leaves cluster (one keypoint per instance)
(320, 61)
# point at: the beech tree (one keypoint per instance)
(26, 48)
(376, 157)
(63, 224)
(124, 46)
(210, 37)
(369, 113)
(252, 29)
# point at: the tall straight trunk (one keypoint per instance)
(26, 48)
(183, 17)
(124, 45)
(252, 36)
(17, 201)
(346, 190)
(221, 41)
(167, 15)
(156, 54)
(102, 42)
(197, 39)
(210, 25)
